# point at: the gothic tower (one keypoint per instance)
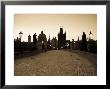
(61, 39)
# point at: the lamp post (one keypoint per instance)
(20, 34)
(90, 42)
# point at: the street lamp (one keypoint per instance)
(20, 34)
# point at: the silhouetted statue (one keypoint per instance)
(34, 40)
(42, 40)
(84, 42)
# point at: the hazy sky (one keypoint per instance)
(73, 24)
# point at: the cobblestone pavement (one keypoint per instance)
(57, 63)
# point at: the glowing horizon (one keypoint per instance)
(73, 24)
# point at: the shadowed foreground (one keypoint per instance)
(57, 63)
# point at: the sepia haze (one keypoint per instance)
(73, 24)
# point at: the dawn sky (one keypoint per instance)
(73, 24)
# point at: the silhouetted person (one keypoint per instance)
(84, 42)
